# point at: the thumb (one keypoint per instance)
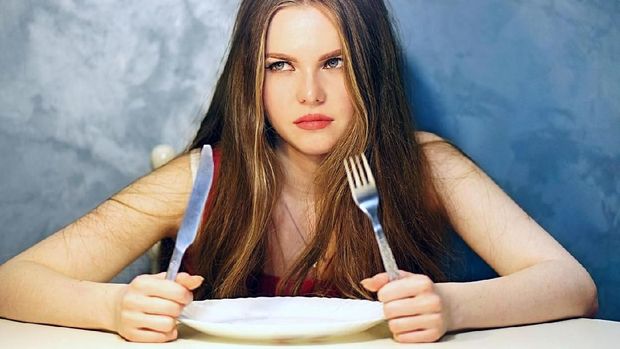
(374, 284)
(191, 282)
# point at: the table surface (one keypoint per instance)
(574, 333)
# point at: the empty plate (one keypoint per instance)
(282, 318)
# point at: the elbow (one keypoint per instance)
(591, 307)
(588, 295)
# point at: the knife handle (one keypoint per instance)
(175, 264)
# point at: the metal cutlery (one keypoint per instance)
(193, 213)
(364, 191)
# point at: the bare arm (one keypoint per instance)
(62, 279)
(539, 280)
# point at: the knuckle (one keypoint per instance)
(394, 326)
(388, 310)
(160, 337)
(434, 301)
(425, 283)
(178, 293)
(433, 334)
(424, 278)
(381, 296)
(426, 337)
(185, 296)
(435, 318)
(177, 310)
(169, 324)
(128, 334)
(400, 338)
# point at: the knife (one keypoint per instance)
(193, 213)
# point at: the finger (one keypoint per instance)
(191, 282)
(147, 336)
(152, 285)
(414, 323)
(425, 303)
(423, 336)
(375, 283)
(372, 285)
(153, 305)
(159, 323)
(409, 286)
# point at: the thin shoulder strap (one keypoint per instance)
(194, 161)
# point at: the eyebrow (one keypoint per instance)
(283, 56)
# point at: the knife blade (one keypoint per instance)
(193, 212)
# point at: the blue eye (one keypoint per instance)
(278, 66)
(333, 63)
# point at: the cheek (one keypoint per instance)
(274, 96)
(347, 105)
(344, 102)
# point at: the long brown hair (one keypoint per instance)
(231, 248)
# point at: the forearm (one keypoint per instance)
(546, 291)
(34, 293)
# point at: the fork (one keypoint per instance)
(364, 191)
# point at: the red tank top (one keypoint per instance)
(264, 284)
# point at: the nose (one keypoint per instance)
(309, 90)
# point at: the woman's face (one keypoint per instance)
(304, 90)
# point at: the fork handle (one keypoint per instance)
(389, 263)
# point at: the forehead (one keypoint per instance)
(301, 29)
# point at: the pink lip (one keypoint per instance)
(313, 121)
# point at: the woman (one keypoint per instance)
(306, 84)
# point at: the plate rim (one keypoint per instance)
(265, 331)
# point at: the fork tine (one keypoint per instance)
(355, 172)
(360, 169)
(371, 178)
(349, 176)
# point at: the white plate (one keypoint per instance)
(282, 318)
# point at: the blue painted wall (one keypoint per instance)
(87, 88)
(531, 90)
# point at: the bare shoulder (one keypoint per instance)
(161, 194)
(423, 137)
(446, 161)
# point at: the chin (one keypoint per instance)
(314, 149)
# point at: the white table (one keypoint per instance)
(575, 333)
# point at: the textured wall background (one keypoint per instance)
(87, 88)
(531, 90)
